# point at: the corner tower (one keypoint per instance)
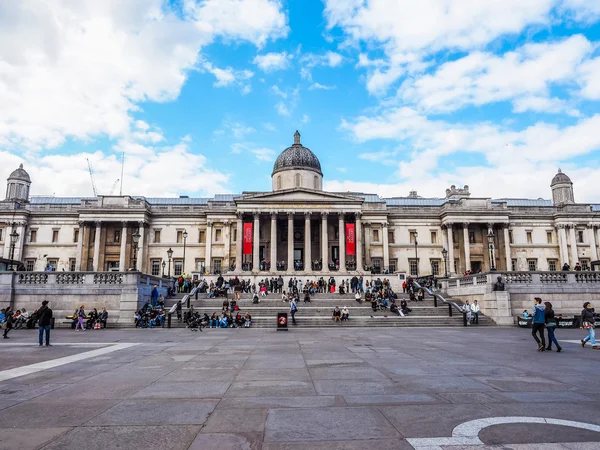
(18, 184)
(297, 167)
(562, 189)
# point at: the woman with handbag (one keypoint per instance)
(589, 323)
(550, 327)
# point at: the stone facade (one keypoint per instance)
(301, 227)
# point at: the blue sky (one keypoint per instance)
(392, 95)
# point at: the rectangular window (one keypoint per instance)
(456, 266)
(391, 237)
(413, 237)
(529, 237)
(234, 239)
(217, 263)
(29, 265)
(579, 237)
(179, 237)
(218, 235)
(178, 267)
(510, 236)
(156, 267)
(117, 236)
(54, 235)
(1, 234)
(72, 262)
(471, 237)
(435, 267)
(412, 264)
(202, 237)
(532, 265)
(585, 264)
(76, 235)
(513, 265)
(375, 235)
(53, 263)
(157, 236)
(434, 237)
(393, 265)
(552, 265)
(33, 236)
(200, 266)
(377, 264)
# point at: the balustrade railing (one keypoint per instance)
(553, 277)
(33, 278)
(70, 278)
(108, 278)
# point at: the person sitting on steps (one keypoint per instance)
(337, 314)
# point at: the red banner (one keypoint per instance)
(248, 238)
(350, 239)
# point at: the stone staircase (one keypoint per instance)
(317, 313)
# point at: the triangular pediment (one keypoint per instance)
(298, 195)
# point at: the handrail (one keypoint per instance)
(439, 297)
(186, 297)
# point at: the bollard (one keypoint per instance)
(188, 302)
(169, 320)
(197, 289)
(449, 310)
(465, 319)
(435, 300)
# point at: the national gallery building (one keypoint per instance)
(297, 228)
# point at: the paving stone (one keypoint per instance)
(327, 424)
(346, 387)
(525, 384)
(156, 412)
(238, 420)
(288, 388)
(280, 402)
(389, 399)
(222, 441)
(379, 444)
(270, 362)
(123, 437)
(535, 434)
(26, 438)
(301, 374)
(443, 384)
(191, 374)
(184, 390)
(52, 414)
(346, 373)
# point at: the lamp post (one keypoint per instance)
(14, 236)
(170, 255)
(164, 264)
(445, 256)
(490, 237)
(185, 235)
(417, 253)
(135, 237)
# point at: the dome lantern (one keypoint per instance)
(297, 166)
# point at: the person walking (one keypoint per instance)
(475, 308)
(589, 323)
(293, 310)
(9, 317)
(45, 319)
(80, 317)
(539, 321)
(467, 310)
(551, 326)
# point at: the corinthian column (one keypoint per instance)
(507, 254)
(467, 246)
(342, 243)
(256, 247)
(273, 242)
(290, 242)
(97, 246)
(574, 256)
(592, 239)
(123, 254)
(239, 242)
(79, 246)
(359, 249)
(307, 242)
(324, 243)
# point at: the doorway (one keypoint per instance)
(475, 266)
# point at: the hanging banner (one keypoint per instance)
(350, 239)
(248, 238)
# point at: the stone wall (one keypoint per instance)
(120, 293)
(567, 291)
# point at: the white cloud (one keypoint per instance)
(481, 78)
(271, 62)
(328, 59)
(246, 89)
(78, 69)
(319, 86)
(260, 153)
(226, 77)
(589, 78)
(282, 109)
(305, 118)
(269, 126)
(543, 104)
(290, 98)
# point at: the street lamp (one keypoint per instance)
(445, 256)
(490, 237)
(164, 264)
(417, 253)
(136, 241)
(170, 255)
(14, 236)
(185, 235)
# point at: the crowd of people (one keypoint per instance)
(93, 320)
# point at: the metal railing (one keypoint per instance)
(436, 296)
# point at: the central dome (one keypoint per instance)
(297, 157)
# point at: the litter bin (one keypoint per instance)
(282, 322)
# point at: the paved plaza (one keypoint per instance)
(302, 389)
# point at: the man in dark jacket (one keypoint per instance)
(9, 322)
(45, 319)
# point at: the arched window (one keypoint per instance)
(297, 181)
(316, 183)
(278, 182)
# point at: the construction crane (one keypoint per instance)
(92, 177)
(114, 187)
